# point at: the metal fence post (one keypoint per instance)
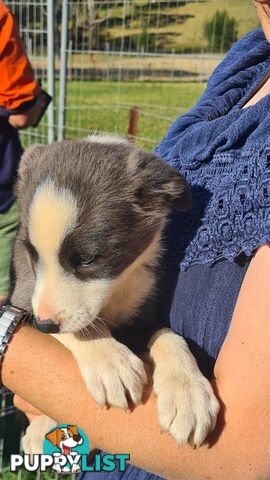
(51, 65)
(63, 72)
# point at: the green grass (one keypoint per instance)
(105, 106)
(31, 476)
(49, 475)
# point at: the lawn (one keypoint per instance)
(49, 475)
(105, 106)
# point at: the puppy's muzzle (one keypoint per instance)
(45, 326)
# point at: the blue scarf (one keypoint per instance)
(224, 153)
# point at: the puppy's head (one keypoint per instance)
(90, 209)
(65, 438)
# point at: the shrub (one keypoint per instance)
(220, 32)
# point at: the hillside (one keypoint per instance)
(165, 26)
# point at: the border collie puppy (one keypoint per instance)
(92, 216)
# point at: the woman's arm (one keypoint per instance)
(44, 373)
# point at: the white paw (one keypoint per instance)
(113, 375)
(187, 406)
(57, 468)
(32, 441)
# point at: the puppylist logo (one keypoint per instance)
(66, 449)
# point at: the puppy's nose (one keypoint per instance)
(45, 310)
(45, 326)
(77, 438)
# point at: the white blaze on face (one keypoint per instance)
(69, 440)
(53, 214)
(59, 296)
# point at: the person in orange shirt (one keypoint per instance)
(21, 106)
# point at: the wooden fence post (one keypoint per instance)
(133, 123)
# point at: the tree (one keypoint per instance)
(220, 32)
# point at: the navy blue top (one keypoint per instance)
(225, 154)
(10, 154)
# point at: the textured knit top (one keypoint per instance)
(224, 152)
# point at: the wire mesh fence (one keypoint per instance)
(109, 49)
(102, 58)
(118, 57)
(152, 54)
(32, 17)
(11, 426)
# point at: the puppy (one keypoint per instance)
(65, 438)
(92, 216)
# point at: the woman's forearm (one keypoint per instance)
(44, 373)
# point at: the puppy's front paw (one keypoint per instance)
(32, 441)
(187, 407)
(113, 374)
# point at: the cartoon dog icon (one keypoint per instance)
(65, 438)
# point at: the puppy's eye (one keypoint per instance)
(83, 261)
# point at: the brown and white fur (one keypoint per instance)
(92, 216)
(65, 438)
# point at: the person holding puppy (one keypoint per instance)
(219, 301)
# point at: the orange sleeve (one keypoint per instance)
(17, 83)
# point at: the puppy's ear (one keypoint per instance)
(73, 429)
(159, 187)
(53, 436)
(22, 275)
(29, 164)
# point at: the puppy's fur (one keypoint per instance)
(92, 215)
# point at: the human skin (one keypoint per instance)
(263, 10)
(48, 377)
(26, 119)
